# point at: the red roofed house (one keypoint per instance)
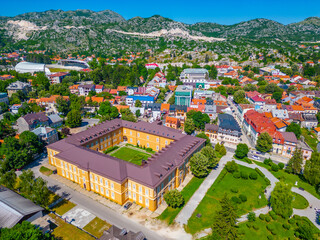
(172, 122)
(99, 88)
(57, 77)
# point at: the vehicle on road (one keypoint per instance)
(127, 205)
(255, 157)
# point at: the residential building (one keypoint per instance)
(194, 76)
(159, 80)
(46, 134)
(183, 95)
(80, 159)
(84, 89)
(211, 130)
(15, 108)
(131, 100)
(18, 86)
(99, 88)
(153, 110)
(115, 233)
(74, 89)
(4, 98)
(280, 113)
(309, 121)
(204, 94)
(58, 77)
(31, 121)
(172, 122)
(229, 129)
(55, 120)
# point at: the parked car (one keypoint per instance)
(255, 157)
(127, 205)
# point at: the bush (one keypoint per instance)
(236, 175)
(232, 167)
(267, 161)
(270, 237)
(262, 216)
(255, 226)
(110, 149)
(251, 217)
(244, 175)
(235, 200)
(243, 198)
(274, 167)
(281, 165)
(286, 226)
(149, 149)
(291, 221)
(270, 228)
(253, 176)
(259, 172)
(174, 198)
(234, 190)
(273, 215)
(249, 225)
(248, 160)
(267, 181)
(267, 218)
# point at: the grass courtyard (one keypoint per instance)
(130, 155)
(63, 207)
(233, 187)
(310, 138)
(291, 179)
(169, 214)
(274, 229)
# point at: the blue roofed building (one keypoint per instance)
(131, 100)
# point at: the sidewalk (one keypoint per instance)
(196, 198)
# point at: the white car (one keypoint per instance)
(255, 157)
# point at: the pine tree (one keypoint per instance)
(295, 163)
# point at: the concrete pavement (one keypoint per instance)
(196, 198)
(91, 205)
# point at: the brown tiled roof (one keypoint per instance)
(212, 127)
(158, 166)
(289, 137)
(31, 117)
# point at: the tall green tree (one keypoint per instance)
(204, 136)
(281, 200)
(63, 106)
(264, 142)
(174, 198)
(224, 222)
(9, 179)
(74, 118)
(312, 169)
(138, 103)
(199, 165)
(242, 150)
(239, 96)
(189, 126)
(295, 162)
(26, 181)
(211, 155)
(40, 192)
(295, 128)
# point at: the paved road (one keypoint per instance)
(91, 205)
(196, 198)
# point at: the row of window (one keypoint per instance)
(134, 197)
(140, 189)
(102, 191)
(106, 182)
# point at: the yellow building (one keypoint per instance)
(80, 158)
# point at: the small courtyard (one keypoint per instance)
(131, 154)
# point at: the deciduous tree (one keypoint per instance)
(199, 165)
(295, 162)
(281, 200)
(242, 150)
(174, 198)
(264, 142)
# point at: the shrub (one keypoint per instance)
(236, 175)
(273, 215)
(259, 172)
(244, 175)
(286, 226)
(262, 216)
(110, 149)
(248, 160)
(267, 161)
(270, 228)
(149, 149)
(255, 226)
(232, 167)
(270, 237)
(251, 217)
(291, 221)
(174, 198)
(235, 200)
(234, 190)
(243, 198)
(281, 165)
(249, 225)
(274, 167)
(267, 218)
(253, 176)
(267, 181)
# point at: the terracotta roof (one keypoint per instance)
(172, 120)
(95, 99)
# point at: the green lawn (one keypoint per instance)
(299, 202)
(310, 138)
(67, 231)
(169, 214)
(291, 179)
(258, 229)
(45, 171)
(130, 155)
(223, 185)
(63, 207)
(97, 226)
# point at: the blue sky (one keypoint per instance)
(223, 12)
